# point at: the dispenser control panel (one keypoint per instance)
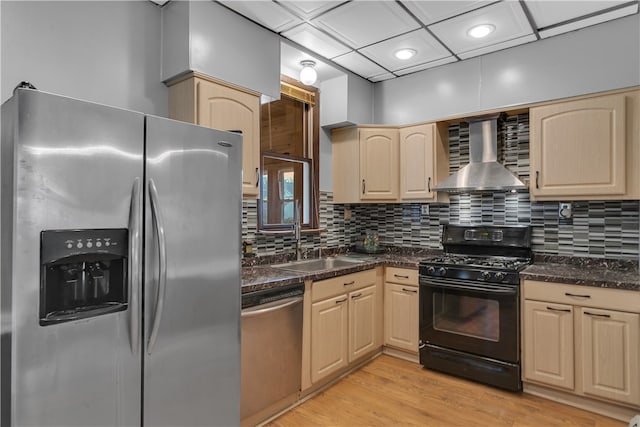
(57, 244)
(83, 274)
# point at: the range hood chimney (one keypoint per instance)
(483, 173)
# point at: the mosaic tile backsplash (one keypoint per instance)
(598, 229)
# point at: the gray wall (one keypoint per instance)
(207, 37)
(594, 59)
(101, 51)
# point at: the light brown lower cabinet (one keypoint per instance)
(584, 340)
(401, 309)
(346, 318)
(329, 336)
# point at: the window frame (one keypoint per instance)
(310, 95)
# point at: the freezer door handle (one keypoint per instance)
(162, 264)
(135, 219)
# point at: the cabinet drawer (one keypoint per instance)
(403, 276)
(342, 284)
(584, 296)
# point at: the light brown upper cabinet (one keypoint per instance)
(423, 160)
(387, 164)
(365, 164)
(379, 163)
(587, 148)
(197, 99)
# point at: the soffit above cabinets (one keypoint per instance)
(363, 36)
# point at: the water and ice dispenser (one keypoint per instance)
(83, 273)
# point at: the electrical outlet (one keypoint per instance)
(347, 213)
(565, 211)
(424, 209)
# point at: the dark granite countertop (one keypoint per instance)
(259, 277)
(616, 274)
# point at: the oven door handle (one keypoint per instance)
(465, 285)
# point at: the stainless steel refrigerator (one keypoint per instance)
(120, 245)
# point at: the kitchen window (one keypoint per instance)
(289, 157)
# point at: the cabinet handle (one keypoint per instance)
(257, 177)
(349, 283)
(363, 186)
(577, 295)
(399, 276)
(429, 185)
(588, 313)
(566, 310)
(537, 179)
(359, 294)
(413, 291)
(340, 301)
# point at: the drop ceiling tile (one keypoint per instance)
(497, 46)
(597, 19)
(381, 77)
(430, 12)
(316, 41)
(426, 46)
(267, 13)
(547, 13)
(308, 9)
(421, 67)
(361, 23)
(360, 65)
(508, 18)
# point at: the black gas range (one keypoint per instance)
(496, 269)
(469, 303)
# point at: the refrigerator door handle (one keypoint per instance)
(135, 218)
(162, 256)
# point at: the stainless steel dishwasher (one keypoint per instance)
(271, 351)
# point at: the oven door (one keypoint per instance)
(472, 317)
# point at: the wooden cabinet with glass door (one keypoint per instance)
(197, 99)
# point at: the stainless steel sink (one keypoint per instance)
(320, 264)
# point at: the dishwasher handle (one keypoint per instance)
(257, 310)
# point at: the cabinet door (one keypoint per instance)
(578, 147)
(222, 107)
(362, 322)
(401, 317)
(329, 339)
(610, 354)
(417, 158)
(548, 343)
(379, 164)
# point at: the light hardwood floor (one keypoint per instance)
(393, 392)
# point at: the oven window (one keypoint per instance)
(466, 315)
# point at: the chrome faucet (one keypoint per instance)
(296, 230)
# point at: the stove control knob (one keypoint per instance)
(486, 275)
(442, 271)
(431, 270)
(499, 275)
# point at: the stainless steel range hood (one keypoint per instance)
(483, 173)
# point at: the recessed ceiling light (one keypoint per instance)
(481, 30)
(405, 53)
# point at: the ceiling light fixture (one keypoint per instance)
(308, 74)
(480, 31)
(404, 54)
